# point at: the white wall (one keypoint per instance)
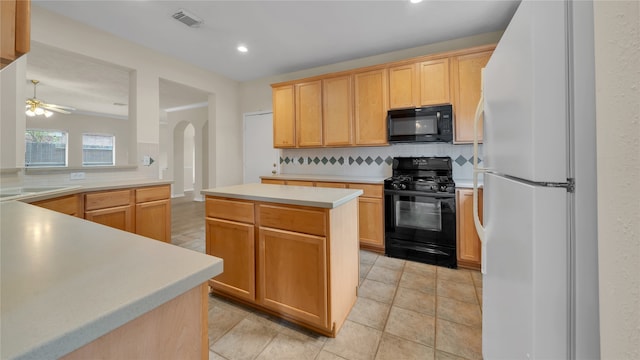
(225, 122)
(617, 55)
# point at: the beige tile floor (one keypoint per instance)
(405, 310)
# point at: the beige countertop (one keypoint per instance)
(32, 193)
(285, 194)
(328, 178)
(67, 281)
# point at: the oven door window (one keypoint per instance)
(422, 215)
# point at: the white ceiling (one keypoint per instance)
(282, 36)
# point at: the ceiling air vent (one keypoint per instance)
(187, 18)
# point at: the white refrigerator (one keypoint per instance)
(539, 234)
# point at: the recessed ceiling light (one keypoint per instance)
(415, 1)
(242, 49)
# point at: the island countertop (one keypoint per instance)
(285, 194)
(67, 281)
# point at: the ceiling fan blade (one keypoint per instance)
(55, 109)
(59, 108)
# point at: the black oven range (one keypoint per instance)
(420, 211)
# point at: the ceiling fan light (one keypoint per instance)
(39, 111)
(30, 113)
(47, 113)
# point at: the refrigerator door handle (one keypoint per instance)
(477, 170)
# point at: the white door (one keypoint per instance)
(259, 156)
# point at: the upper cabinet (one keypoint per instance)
(337, 111)
(15, 30)
(371, 107)
(404, 89)
(434, 82)
(467, 86)
(308, 106)
(349, 108)
(284, 117)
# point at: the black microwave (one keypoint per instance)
(424, 124)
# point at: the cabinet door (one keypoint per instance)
(15, 29)
(120, 217)
(467, 86)
(370, 220)
(434, 82)
(293, 275)
(337, 110)
(371, 107)
(468, 243)
(309, 114)
(234, 243)
(70, 205)
(153, 220)
(404, 91)
(284, 117)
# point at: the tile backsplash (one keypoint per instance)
(372, 161)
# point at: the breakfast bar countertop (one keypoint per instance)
(285, 194)
(67, 281)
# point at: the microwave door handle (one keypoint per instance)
(477, 170)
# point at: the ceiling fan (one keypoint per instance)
(38, 107)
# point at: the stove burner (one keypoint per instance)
(424, 174)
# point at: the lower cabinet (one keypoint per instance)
(153, 212)
(468, 242)
(111, 208)
(235, 243)
(70, 205)
(299, 263)
(296, 262)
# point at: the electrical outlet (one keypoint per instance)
(77, 176)
(146, 160)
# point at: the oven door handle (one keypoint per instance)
(419, 193)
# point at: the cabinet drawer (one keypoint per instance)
(299, 183)
(293, 219)
(374, 191)
(229, 209)
(153, 193)
(331, 185)
(67, 205)
(106, 199)
(273, 181)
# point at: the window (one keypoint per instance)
(45, 148)
(98, 150)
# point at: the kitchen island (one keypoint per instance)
(290, 251)
(73, 289)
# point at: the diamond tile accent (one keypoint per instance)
(324, 160)
(389, 160)
(332, 160)
(341, 160)
(301, 160)
(309, 160)
(281, 160)
(359, 160)
(316, 160)
(351, 160)
(379, 160)
(286, 160)
(368, 160)
(460, 160)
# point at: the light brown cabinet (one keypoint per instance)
(370, 209)
(404, 90)
(337, 111)
(70, 205)
(15, 30)
(295, 262)
(434, 82)
(467, 87)
(153, 212)
(284, 131)
(111, 208)
(308, 105)
(371, 107)
(468, 242)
